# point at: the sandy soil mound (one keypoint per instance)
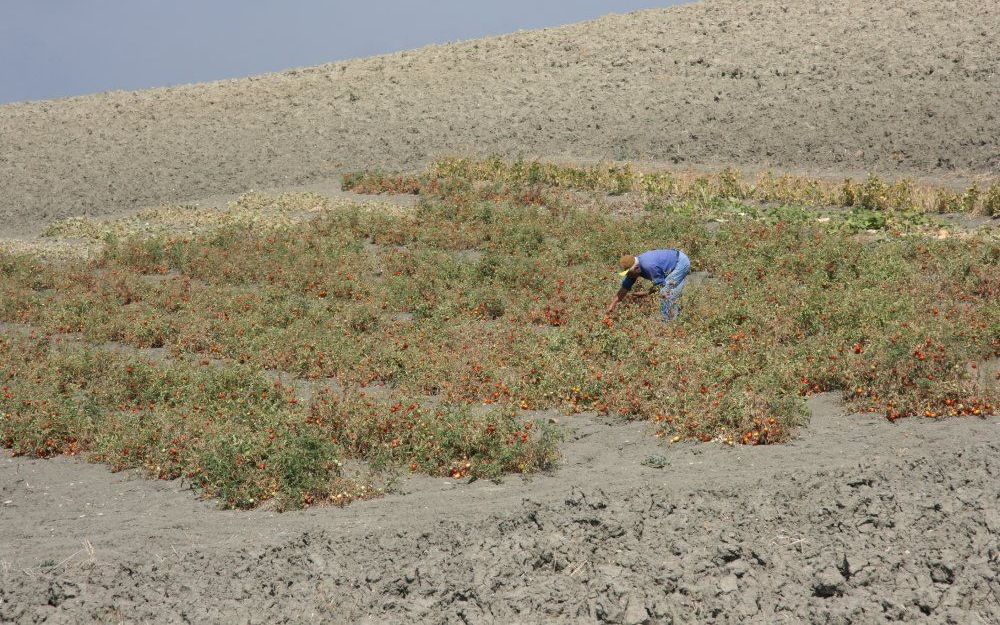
(858, 520)
(906, 86)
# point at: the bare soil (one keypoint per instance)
(857, 520)
(899, 87)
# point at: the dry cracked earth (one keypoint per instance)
(858, 520)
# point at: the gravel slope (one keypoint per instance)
(904, 86)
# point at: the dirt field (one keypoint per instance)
(896, 87)
(859, 520)
(856, 520)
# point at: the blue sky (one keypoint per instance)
(58, 48)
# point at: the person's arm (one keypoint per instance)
(617, 299)
(627, 284)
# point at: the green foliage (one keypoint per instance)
(489, 294)
(874, 194)
(991, 203)
(378, 182)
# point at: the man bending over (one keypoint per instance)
(666, 269)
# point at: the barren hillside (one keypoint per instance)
(906, 87)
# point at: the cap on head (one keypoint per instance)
(625, 263)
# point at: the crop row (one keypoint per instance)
(499, 303)
(872, 194)
(234, 433)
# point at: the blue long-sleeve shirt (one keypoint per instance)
(654, 266)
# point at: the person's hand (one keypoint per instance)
(646, 294)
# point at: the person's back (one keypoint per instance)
(656, 265)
